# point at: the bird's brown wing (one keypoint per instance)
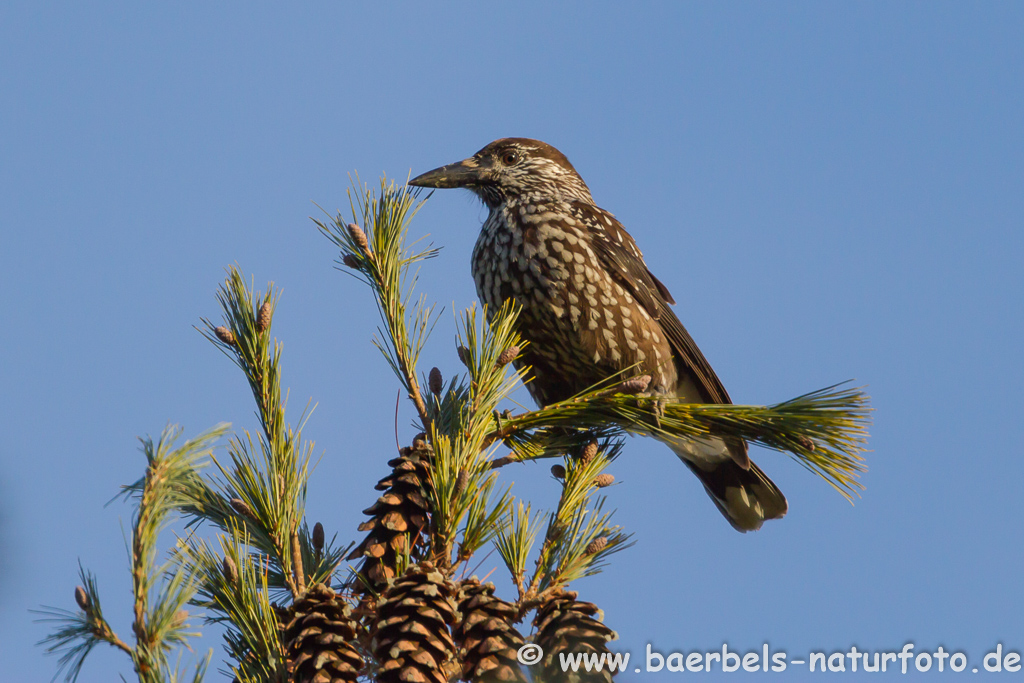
(623, 260)
(619, 254)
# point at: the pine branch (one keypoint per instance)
(379, 254)
(265, 485)
(463, 487)
(160, 590)
(77, 632)
(824, 430)
(579, 536)
(164, 622)
(454, 421)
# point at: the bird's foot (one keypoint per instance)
(658, 410)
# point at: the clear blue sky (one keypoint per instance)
(830, 190)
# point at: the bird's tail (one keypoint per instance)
(745, 497)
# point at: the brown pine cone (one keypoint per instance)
(399, 514)
(567, 625)
(318, 637)
(410, 637)
(486, 636)
(263, 319)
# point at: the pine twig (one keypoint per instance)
(824, 430)
(160, 591)
(273, 490)
(378, 253)
(299, 575)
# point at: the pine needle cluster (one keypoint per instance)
(162, 590)
(407, 608)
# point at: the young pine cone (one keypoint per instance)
(263, 319)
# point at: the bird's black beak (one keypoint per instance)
(471, 171)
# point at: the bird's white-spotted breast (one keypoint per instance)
(582, 326)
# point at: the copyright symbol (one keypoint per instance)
(530, 654)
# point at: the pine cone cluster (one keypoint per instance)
(318, 635)
(410, 636)
(565, 624)
(397, 516)
(486, 636)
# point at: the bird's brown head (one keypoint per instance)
(510, 168)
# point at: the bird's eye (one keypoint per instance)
(510, 158)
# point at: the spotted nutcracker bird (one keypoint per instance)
(590, 306)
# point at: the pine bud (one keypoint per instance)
(507, 356)
(419, 442)
(602, 480)
(230, 570)
(180, 617)
(555, 530)
(502, 461)
(82, 598)
(225, 335)
(359, 237)
(558, 471)
(462, 482)
(463, 355)
(242, 508)
(597, 545)
(436, 382)
(806, 443)
(635, 385)
(318, 537)
(263, 319)
(350, 261)
(589, 453)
